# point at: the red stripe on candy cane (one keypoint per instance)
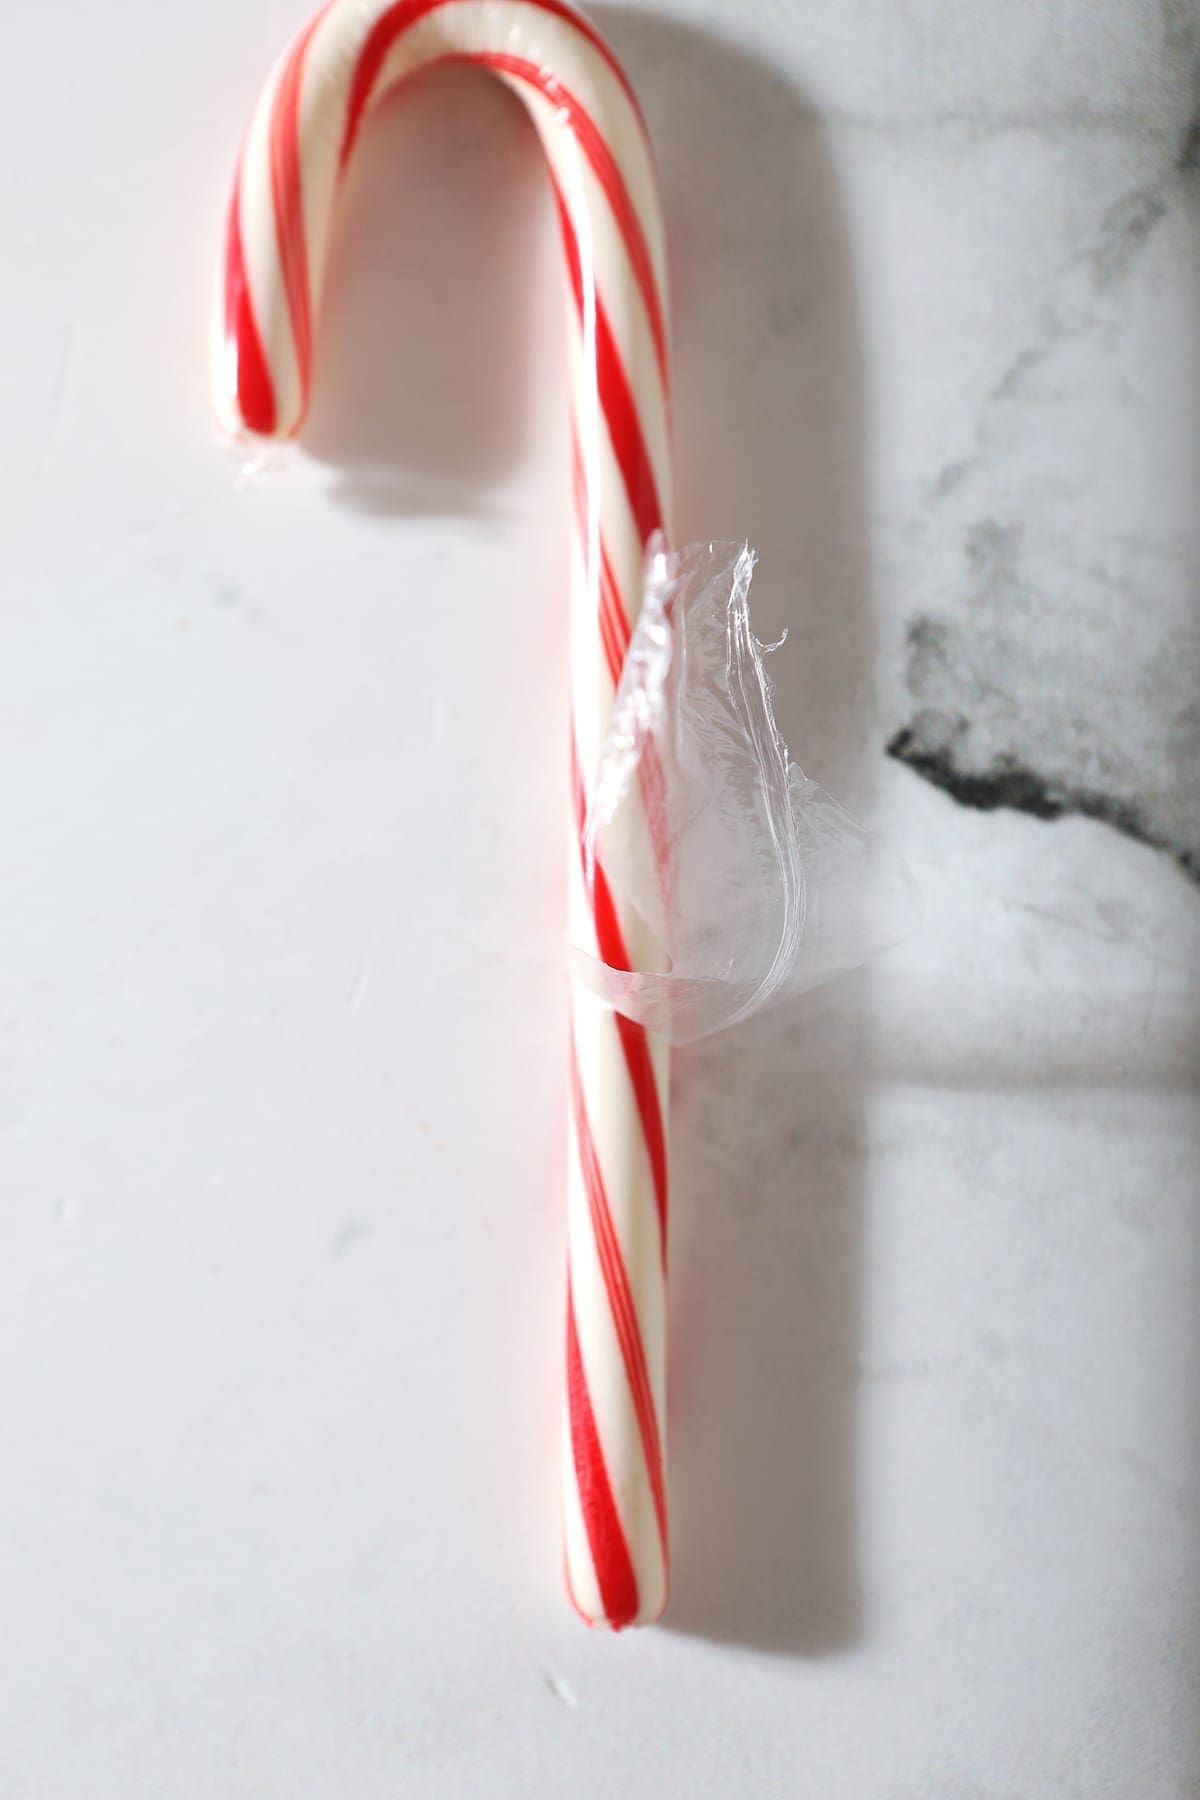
(616, 396)
(613, 625)
(288, 197)
(606, 1538)
(610, 599)
(611, 645)
(620, 1299)
(255, 394)
(637, 1058)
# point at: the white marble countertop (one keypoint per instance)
(281, 891)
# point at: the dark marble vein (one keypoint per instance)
(1073, 309)
(1188, 162)
(1007, 719)
(1009, 783)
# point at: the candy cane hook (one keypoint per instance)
(301, 138)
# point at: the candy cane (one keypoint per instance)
(301, 138)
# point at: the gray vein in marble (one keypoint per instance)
(1057, 685)
(984, 688)
(1188, 162)
(1093, 271)
(954, 128)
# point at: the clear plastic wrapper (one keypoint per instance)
(756, 884)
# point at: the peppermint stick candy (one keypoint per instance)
(300, 142)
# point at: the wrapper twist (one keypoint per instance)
(300, 142)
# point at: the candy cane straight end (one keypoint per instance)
(278, 229)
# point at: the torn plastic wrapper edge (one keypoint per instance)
(755, 883)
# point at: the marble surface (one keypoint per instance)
(281, 889)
